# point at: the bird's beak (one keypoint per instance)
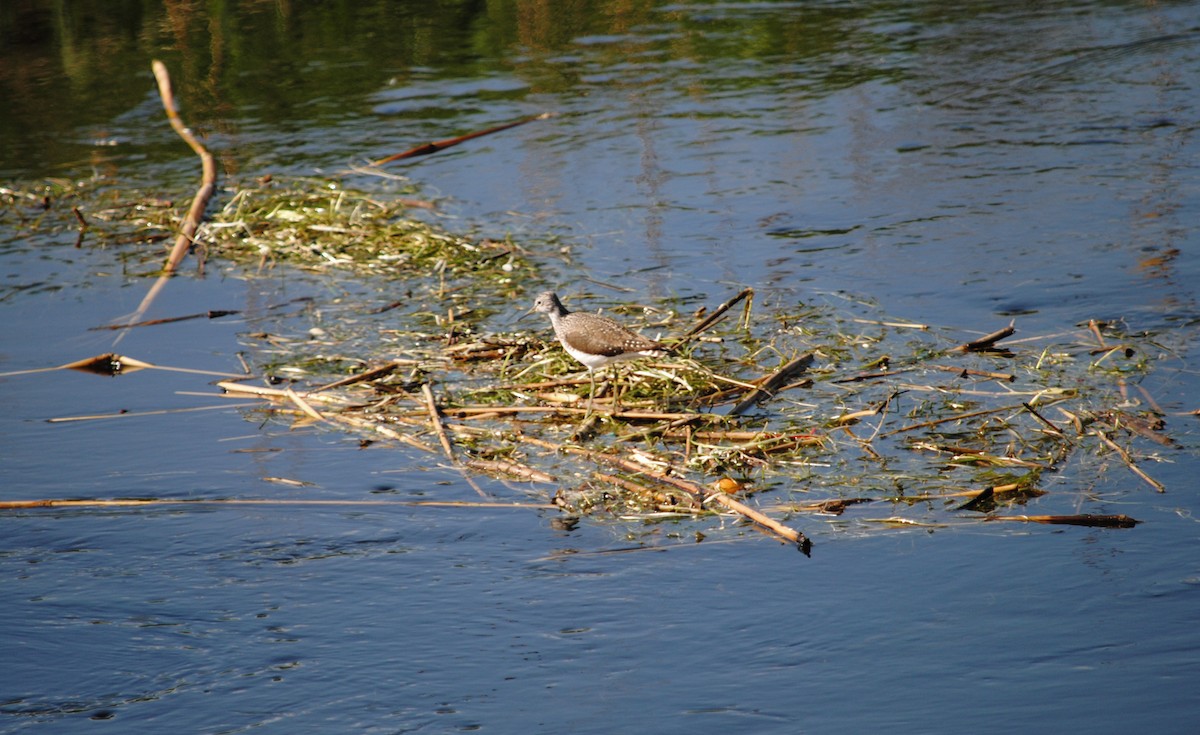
(531, 310)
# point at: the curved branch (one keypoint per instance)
(208, 181)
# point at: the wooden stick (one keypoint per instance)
(135, 502)
(371, 374)
(697, 493)
(1094, 327)
(436, 419)
(111, 363)
(768, 388)
(191, 222)
(659, 428)
(214, 314)
(427, 148)
(136, 414)
(986, 342)
(1054, 429)
(959, 417)
(714, 316)
(627, 485)
(304, 406)
(493, 466)
(381, 429)
(861, 377)
(265, 392)
(1083, 519)
(1129, 462)
(1007, 377)
(208, 179)
(465, 411)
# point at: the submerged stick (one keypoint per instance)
(212, 314)
(1084, 519)
(381, 429)
(427, 148)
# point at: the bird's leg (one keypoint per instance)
(616, 391)
(591, 394)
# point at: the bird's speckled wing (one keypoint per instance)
(599, 335)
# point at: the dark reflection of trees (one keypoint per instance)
(65, 66)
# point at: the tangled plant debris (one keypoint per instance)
(772, 409)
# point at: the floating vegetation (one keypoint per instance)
(784, 409)
(774, 410)
(826, 408)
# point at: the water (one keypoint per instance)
(960, 165)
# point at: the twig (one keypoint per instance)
(371, 374)
(1129, 462)
(208, 180)
(698, 493)
(136, 414)
(1007, 377)
(959, 417)
(628, 485)
(215, 314)
(714, 316)
(383, 430)
(304, 406)
(208, 185)
(768, 388)
(1095, 329)
(436, 419)
(134, 502)
(427, 148)
(1054, 429)
(659, 428)
(862, 377)
(113, 364)
(510, 468)
(987, 342)
(1084, 519)
(264, 392)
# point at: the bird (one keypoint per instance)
(594, 340)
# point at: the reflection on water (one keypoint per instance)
(956, 163)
